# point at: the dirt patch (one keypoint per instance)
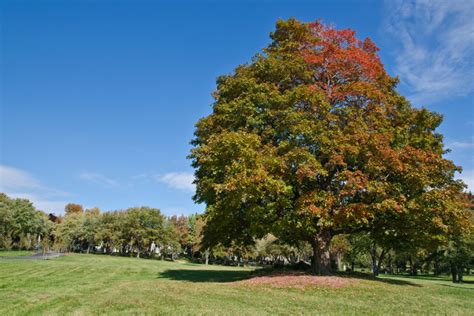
(299, 280)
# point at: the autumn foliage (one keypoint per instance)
(344, 66)
(311, 139)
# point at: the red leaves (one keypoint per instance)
(344, 65)
(305, 172)
(314, 210)
(369, 46)
(354, 181)
(298, 280)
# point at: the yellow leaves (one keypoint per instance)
(337, 160)
(438, 222)
(354, 213)
(305, 172)
(390, 205)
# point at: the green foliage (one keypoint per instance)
(133, 231)
(70, 232)
(271, 250)
(458, 253)
(359, 254)
(142, 226)
(21, 225)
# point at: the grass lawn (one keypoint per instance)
(15, 253)
(96, 284)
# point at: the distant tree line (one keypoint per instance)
(22, 226)
(146, 232)
(136, 231)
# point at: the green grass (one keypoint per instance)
(15, 253)
(98, 284)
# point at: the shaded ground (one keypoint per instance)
(277, 278)
(430, 277)
(193, 275)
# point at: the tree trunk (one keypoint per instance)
(454, 275)
(376, 259)
(321, 263)
(437, 267)
(374, 264)
(339, 262)
(206, 253)
(410, 261)
(379, 264)
(389, 264)
(413, 267)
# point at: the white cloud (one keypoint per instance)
(40, 202)
(99, 179)
(462, 145)
(12, 178)
(436, 38)
(17, 183)
(468, 177)
(177, 180)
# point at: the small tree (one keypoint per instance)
(72, 208)
(181, 225)
(340, 247)
(142, 226)
(91, 226)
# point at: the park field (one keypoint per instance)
(98, 284)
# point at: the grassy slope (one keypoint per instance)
(86, 284)
(15, 253)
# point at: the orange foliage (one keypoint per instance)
(344, 66)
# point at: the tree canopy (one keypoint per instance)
(21, 225)
(311, 139)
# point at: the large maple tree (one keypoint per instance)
(311, 139)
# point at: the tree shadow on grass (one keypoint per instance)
(357, 275)
(397, 282)
(224, 276)
(433, 278)
(189, 275)
(458, 287)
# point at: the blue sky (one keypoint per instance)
(99, 98)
